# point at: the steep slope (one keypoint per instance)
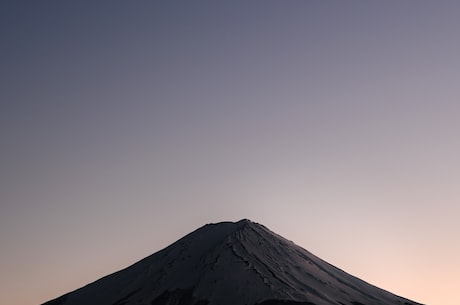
(240, 263)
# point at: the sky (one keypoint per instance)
(125, 125)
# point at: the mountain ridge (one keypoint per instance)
(230, 263)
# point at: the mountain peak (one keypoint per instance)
(237, 224)
(212, 233)
(231, 263)
(245, 221)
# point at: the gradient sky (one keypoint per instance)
(127, 124)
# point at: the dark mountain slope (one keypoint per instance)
(240, 263)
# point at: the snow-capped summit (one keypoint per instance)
(241, 263)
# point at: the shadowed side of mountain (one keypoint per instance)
(176, 266)
(178, 297)
(284, 302)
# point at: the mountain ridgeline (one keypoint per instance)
(227, 263)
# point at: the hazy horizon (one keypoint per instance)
(125, 125)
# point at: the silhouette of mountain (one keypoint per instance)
(241, 263)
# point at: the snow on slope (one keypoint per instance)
(240, 263)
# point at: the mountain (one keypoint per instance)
(227, 263)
